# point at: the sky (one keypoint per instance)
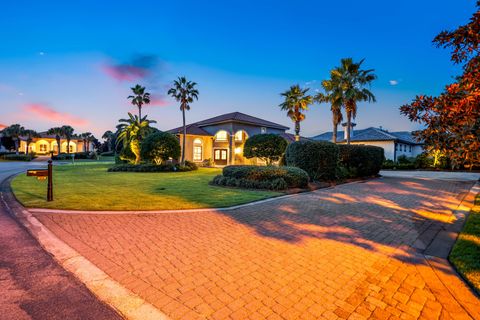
(73, 62)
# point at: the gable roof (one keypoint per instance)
(371, 134)
(192, 129)
(233, 117)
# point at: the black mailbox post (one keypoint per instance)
(43, 174)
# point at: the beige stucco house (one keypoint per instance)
(45, 143)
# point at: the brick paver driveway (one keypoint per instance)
(334, 253)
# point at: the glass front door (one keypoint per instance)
(220, 156)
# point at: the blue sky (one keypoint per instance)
(60, 60)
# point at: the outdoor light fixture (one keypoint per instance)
(238, 150)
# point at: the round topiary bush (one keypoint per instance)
(160, 146)
(267, 147)
(318, 158)
(361, 160)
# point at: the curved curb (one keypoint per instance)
(127, 303)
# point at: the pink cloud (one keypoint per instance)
(45, 112)
(125, 72)
(157, 101)
(2, 126)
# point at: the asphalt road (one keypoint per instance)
(32, 284)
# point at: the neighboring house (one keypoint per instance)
(395, 144)
(222, 138)
(45, 143)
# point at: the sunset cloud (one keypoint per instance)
(158, 101)
(140, 67)
(45, 112)
(2, 126)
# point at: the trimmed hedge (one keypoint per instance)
(18, 157)
(168, 167)
(78, 155)
(260, 177)
(318, 158)
(160, 146)
(361, 160)
(267, 147)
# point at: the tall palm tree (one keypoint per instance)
(68, 134)
(85, 138)
(352, 80)
(58, 132)
(131, 131)
(296, 102)
(14, 131)
(139, 98)
(333, 95)
(29, 135)
(184, 92)
(109, 138)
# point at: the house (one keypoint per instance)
(395, 144)
(222, 138)
(46, 143)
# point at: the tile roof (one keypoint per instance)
(191, 129)
(291, 137)
(236, 117)
(371, 134)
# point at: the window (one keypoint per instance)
(197, 150)
(239, 136)
(221, 136)
(263, 130)
(43, 147)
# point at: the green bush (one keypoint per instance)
(267, 147)
(126, 154)
(167, 167)
(188, 166)
(107, 154)
(318, 158)
(18, 157)
(265, 176)
(160, 146)
(361, 160)
(275, 184)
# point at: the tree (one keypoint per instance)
(58, 132)
(333, 95)
(268, 147)
(351, 81)
(86, 136)
(160, 146)
(132, 131)
(295, 103)
(184, 92)
(67, 134)
(29, 134)
(139, 98)
(15, 131)
(109, 138)
(452, 119)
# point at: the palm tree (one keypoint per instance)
(85, 138)
(58, 132)
(351, 80)
(29, 134)
(139, 98)
(131, 131)
(68, 134)
(296, 101)
(109, 138)
(333, 95)
(184, 92)
(14, 131)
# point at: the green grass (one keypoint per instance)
(91, 187)
(465, 255)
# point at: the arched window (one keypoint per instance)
(197, 150)
(221, 135)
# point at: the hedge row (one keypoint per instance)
(168, 167)
(18, 157)
(78, 155)
(327, 161)
(259, 177)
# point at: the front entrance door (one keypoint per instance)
(220, 157)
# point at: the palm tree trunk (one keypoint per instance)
(68, 146)
(297, 130)
(58, 146)
(16, 145)
(139, 112)
(184, 136)
(28, 144)
(335, 129)
(349, 125)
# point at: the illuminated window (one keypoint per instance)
(221, 136)
(43, 147)
(197, 150)
(239, 136)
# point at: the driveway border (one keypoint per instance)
(124, 301)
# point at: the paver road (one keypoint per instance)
(345, 252)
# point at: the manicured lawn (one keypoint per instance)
(466, 252)
(91, 187)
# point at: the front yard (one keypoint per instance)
(91, 187)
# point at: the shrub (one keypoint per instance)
(149, 167)
(207, 163)
(160, 146)
(361, 160)
(275, 184)
(107, 154)
(293, 177)
(18, 157)
(126, 154)
(188, 166)
(267, 147)
(318, 158)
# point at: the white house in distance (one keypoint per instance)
(395, 144)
